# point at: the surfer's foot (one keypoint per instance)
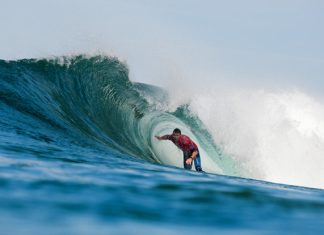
(200, 170)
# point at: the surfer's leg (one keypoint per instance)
(186, 155)
(198, 162)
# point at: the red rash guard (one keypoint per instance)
(184, 142)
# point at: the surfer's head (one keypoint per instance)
(176, 133)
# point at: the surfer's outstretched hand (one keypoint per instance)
(189, 161)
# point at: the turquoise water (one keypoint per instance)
(77, 156)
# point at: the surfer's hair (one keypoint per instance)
(177, 130)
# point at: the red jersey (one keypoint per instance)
(184, 142)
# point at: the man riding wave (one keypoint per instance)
(189, 148)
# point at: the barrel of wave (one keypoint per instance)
(169, 154)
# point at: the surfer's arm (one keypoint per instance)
(194, 154)
(194, 150)
(165, 137)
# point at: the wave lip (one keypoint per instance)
(91, 99)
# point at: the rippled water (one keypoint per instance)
(99, 196)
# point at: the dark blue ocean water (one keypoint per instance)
(76, 157)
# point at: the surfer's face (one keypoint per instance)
(176, 135)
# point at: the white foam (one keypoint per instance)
(274, 136)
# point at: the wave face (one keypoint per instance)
(77, 102)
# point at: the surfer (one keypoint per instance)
(189, 148)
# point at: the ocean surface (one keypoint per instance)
(78, 156)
